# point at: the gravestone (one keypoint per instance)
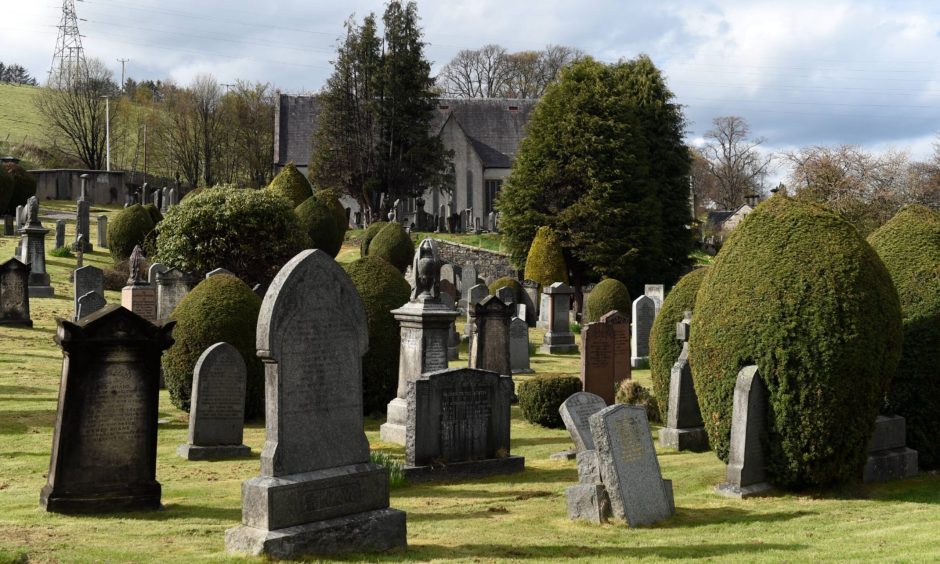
(588, 500)
(468, 279)
(644, 312)
(458, 426)
(164, 200)
(318, 493)
(657, 292)
(217, 406)
(489, 339)
(545, 306)
(530, 298)
(173, 200)
(621, 325)
(629, 467)
(453, 338)
(8, 226)
(139, 296)
(746, 475)
(474, 296)
(491, 222)
(82, 219)
(889, 457)
(576, 412)
(87, 279)
(451, 274)
(597, 361)
(519, 346)
(104, 445)
(14, 293)
(558, 337)
(59, 234)
(684, 428)
(155, 268)
(20, 214)
(425, 336)
(33, 251)
(585, 295)
(507, 295)
(88, 304)
(218, 271)
(103, 231)
(172, 287)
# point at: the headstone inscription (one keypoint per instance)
(172, 287)
(103, 231)
(489, 340)
(558, 338)
(644, 312)
(318, 493)
(621, 325)
(576, 412)
(889, 457)
(629, 467)
(458, 425)
(14, 293)
(87, 279)
(519, 346)
(59, 234)
(104, 445)
(597, 361)
(746, 475)
(33, 251)
(684, 428)
(217, 406)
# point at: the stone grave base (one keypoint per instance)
(139, 497)
(754, 490)
(41, 292)
(569, 454)
(558, 349)
(215, 452)
(523, 371)
(393, 430)
(639, 362)
(588, 502)
(17, 322)
(370, 531)
(693, 439)
(458, 471)
(887, 465)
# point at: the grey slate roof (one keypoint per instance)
(295, 122)
(716, 219)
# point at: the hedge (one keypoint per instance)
(290, 184)
(608, 295)
(545, 262)
(128, 228)
(541, 396)
(393, 244)
(368, 235)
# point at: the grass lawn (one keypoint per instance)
(19, 119)
(521, 517)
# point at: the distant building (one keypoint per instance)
(719, 224)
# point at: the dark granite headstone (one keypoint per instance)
(87, 279)
(644, 312)
(489, 341)
(83, 219)
(14, 293)
(59, 234)
(597, 360)
(33, 251)
(8, 227)
(507, 294)
(889, 457)
(89, 304)
(104, 446)
(473, 296)
(621, 325)
(103, 231)
(746, 471)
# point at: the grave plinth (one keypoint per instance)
(889, 457)
(556, 300)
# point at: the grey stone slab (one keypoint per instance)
(87, 279)
(82, 228)
(746, 475)
(890, 432)
(89, 304)
(473, 296)
(644, 312)
(588, 502)
(629, 466)
(14, 293)
(563, 455)
(217, 406)
(576, 412)
(589, 470)
(172, 286)
(489, 339)
(103, 231)
(59, 234)
(215, 452)
(519, 346)
(507, 295)
(597, 360)
(530, 298)
(890, 464)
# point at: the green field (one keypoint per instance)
(19, 120)
(516, 518)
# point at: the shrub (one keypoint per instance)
(220, 308)
(506, 281)
(336, 208)
(909, 245)
(545, 262)
(393, 245)
(318, 221)
(632, 393)
(382, 288)
(664, 348)
(61, 252)
(798, 292)
(251, 233)
(127, 229)
(541, 396)
(290, 184)
(609, 295)
(370, 234)
(155, 215)
(6, 192)
(24, 186)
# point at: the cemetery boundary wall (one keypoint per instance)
(490, 265)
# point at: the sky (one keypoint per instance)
(800, 72)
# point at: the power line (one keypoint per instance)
(68, 59)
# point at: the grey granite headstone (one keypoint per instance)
(644, 312)
(154, 269)
(544, 309)
(59, 233)
(558, 338)
(519, 346)
(746, 469)
(88, 304)
(489, 339)
(172, 287)
(87, 279)
(629, 467)
(684, 428)
(318, 493)
(217, 271)
(657, 292)
(450, 273)
(104, 446)
(19, 217)
(576, 412)
(889, 457)
(217, 407)
(103, 231)
(473, 296)
(14, 293)
(468, 279)
(597, 360)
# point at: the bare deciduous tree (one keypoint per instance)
(493, 72)
(735, 162)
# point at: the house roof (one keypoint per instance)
(716, 219)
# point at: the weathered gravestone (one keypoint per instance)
(450, 273)
(621, 326)
(33, 251)
(19, 215)
(489, 340)
(103, 231)
(139, 296)
(629, 467)
(317, 492)
(82, 219)
(218, 271)
(458, 426)
(644, 312)
(87, 279)
(104, 446)
(88, 304)
(474, 296)
(889, 457)
(746, 470)
(657, 292)
(425, 334)
(588, 500)
(597, 360)
(14, 293)
(576, 412)
(154, 269)
(519, 346)
(468, 279)
(684, 428)
(217, 407)
(530, 297)
(8, 226)
(558, 337)
(59, 234)
(507, 295)
(172, 287)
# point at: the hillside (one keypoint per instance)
(19, 120)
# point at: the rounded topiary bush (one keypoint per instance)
(798, 292)
(541, 396)
(251, 233)
(393, 244)
(909, 245)
(505, 281)
(319, 223)
(128, 228)
(24, 186)
(664, 348)
(607, 296)
(290, 184)
(220, 308)
(6, 191)
(331, 200)
(369, 235)
(382, 288)
(545, 262)
(154, 213)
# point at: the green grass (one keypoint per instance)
(521, 517)
(19, 120)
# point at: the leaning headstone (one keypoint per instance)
(458, 426)
(217, 271)
(621, 325)
(684, 428)
(530, 298)
(889, 457)
(629, 467)
(87, 279)
(576, 412)
(14, 293)
(139, 296)
(104, 446)
(644, 312)
(318, 493)
(59, 234)
(172, 287)
(519, 346)
(89, 304)
(425, 334)
(597, 361)
(103, 231)
(217, 406)
(657, 292)
(558, 337)
(746, 476)
(33, 251)
(155, 268)
(489, 339)
(474, 296)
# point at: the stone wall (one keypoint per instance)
(490, 265)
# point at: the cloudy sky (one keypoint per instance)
(801, 72)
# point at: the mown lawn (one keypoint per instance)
(520, 517)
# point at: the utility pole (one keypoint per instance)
(122, 61)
